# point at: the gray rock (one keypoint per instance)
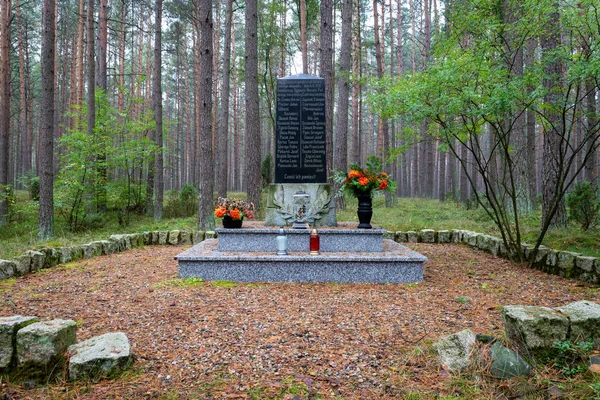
(552, 258)
(210, 235)
(22, 264)
(102, 355)
(454, 351)
(542, 255)
(174, 237)
(110, 246)
(506, 363)
(483, 242)
(412, 237)
(51, 257)
(389, 235)
(88, 251)
(97, 248)
(597, 266)
(65, 255)
(76, 253)
(37, 260)
(584, 317)
(185, 238)
(456, 236)
(534, 327)
(427, 235)
(401, 237)
(527, 251)
(137, 240)
(198, 236)
(470, 238)
(147, 238)
(585, 263)
(155, 235)
(566, 260)
(443, 236)
(42, 343)
(122, 242)
(163, 237)
(9, 326)
(7, 269)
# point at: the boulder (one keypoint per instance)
(7, 269)
(42, 343)
(51, 257)
(585, 263)
(541, 255)
(9, 326)
(470, 238)
(389, 235)
(22, 264)
(65, 254)
(401, 237)
(443, 236)
(427, 235)
(454, 351)
(110, 246)
(37, 259)
(506, 363)
(147, 238)
(412, 237)
(97, 248)
(155, 235)
(584, 317)
(102, 355)
(456, 236)
(122, 241)
(198, 236)
(163, 237)
(76, 253)
(136, 239)
(534, 327)
(566, 263)
(174, 237)
(210, 235)
(185, 238)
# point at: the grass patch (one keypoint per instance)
(180, 283)
(223, 284)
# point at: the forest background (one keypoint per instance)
(105, 105)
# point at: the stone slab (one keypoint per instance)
(395, 264)
(331, 240)
(41, 343)
(584, 317)
(534, 327)
(101, 355)
(9, 326)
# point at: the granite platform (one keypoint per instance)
(394, 263)
(332, 240)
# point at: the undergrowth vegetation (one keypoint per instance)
(180, 210)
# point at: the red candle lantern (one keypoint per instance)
(315, 242)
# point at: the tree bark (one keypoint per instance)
(326, 48)
(223, 137)
(303, 43)
(252, 137)
(158, 110)
(46, 210)
(354, 153)
(530, 128)
(25, 144)
(553, 205)
(341, 141)
(207, 168)
(5, 108)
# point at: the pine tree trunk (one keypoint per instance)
(46, 210)
(5, 108)
(531, 132)
(553, 205)
(304, 45)
(158, 110)
(207, 169)
(223, 137)
(326, 48)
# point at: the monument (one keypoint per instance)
(300, 153)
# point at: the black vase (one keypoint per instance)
(230, 223)
(365, 211)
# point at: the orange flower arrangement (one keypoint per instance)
(360, 181)
(234, 208)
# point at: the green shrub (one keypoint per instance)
(584, 205)
(181, 204)
(34, 188)
(572, 357)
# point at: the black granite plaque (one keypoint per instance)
(300, 133)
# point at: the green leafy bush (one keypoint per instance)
(181, 204)
(584, 205)
(266, 171)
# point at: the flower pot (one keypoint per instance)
(365, 211)
(231, 223)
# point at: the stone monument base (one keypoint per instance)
(280, 200)
(395, 264)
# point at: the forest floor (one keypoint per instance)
(197, 339)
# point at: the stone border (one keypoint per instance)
(563, 263)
